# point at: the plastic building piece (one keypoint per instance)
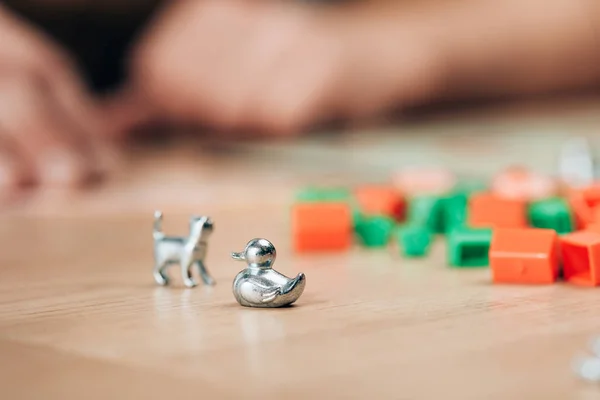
(454, 212)
(414, 240)
(521, 183)
(374, 230)
(321, 226)
(596, 214)
(524, 256)
(594, 227)
(380, 200)
(582, 212)
(584, 201)
(426, 211)
(581, 258)
(455, 205)
(469, 247)
(551, 213)
(591, 194)
(489, 210)
(418, 181)
(316, 194)
(468, 187)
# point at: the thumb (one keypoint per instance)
(127, 110)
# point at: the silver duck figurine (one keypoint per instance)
(259, 285)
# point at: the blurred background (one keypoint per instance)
(107, 102)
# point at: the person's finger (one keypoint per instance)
(45, 141)
(289, 107)
(295, 94)
(22, 44)
(83, 118)
(266, 52)
(125, 111)
(190, 64)
(28, 51)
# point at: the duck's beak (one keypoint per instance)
(238, 256)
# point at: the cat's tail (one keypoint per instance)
(158, 233)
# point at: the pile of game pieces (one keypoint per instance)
(524, 225)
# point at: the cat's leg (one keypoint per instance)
(186, 271)
(160, 275)
(206, 278)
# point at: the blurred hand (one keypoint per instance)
(274, 66)
(50, 128)
(277, 66)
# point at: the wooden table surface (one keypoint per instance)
(80, 316)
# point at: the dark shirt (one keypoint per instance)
(98, 38)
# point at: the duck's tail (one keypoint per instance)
(158, 233)
(296, 286)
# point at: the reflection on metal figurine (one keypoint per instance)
(260, 285)
(186, 251)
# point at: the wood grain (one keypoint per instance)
(80, 316)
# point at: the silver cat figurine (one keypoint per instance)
(260, 285)
(186, 251)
